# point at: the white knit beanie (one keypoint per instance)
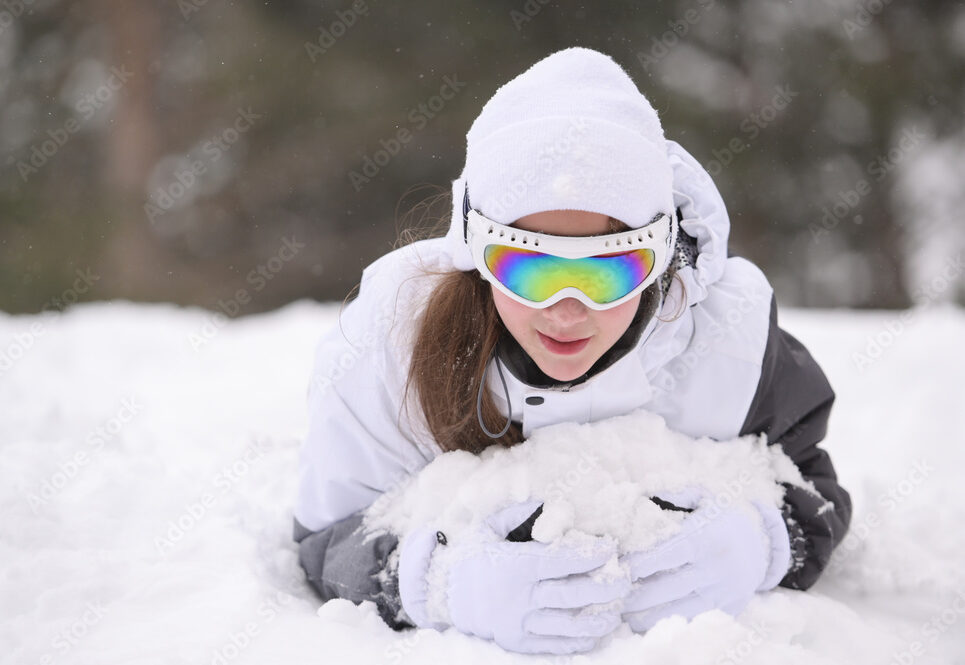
(570, 133)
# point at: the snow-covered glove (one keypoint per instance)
(529, 597)
(720, 558)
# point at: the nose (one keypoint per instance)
(567, 312)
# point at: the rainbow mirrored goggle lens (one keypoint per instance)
(536, 276)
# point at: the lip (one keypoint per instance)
(563, 347)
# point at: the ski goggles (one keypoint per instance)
(539, 269)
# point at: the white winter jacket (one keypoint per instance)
(699, 371)
(722, 368)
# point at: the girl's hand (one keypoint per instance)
(719, 559)
(528, 597)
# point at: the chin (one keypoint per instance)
(564, 373)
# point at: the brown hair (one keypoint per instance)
(454, 341)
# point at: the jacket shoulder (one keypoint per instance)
(379, 324)
(708, 385)
(734, 317)
(412, 260)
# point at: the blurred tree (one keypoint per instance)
(243, 127)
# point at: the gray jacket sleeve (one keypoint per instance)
(343, 561)
(792, 406)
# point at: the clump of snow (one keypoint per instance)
(594, 479)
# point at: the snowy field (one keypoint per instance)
(149, 466)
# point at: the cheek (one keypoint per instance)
(517, 317)
(618, 319)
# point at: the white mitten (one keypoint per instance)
(528, 597)
(720, 558)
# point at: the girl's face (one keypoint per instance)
(566, 338)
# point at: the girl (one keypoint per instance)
(584, 274)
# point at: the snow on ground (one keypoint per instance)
(149, 466)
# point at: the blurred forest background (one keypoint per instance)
(196, 150)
